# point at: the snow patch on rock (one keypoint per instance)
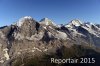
(1, 61)
(18, 53)
(33, 50)
(37, 49)
(6, 53)
(61, 35)
(45, 50)
(45, 27)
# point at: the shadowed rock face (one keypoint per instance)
(82, 30)
(30, 36)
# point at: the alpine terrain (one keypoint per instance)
(31, 43)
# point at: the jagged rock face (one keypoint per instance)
(27, 35)
(28, 28)
(98, 25)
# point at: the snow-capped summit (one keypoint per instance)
(22, 20)
(28, 37)
(28, 17)
(47, 21)
(76, 22)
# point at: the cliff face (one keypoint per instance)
(30, 36)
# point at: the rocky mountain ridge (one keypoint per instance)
(28, 35)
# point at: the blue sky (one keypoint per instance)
(60, 11)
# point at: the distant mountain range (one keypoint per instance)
(45, 37)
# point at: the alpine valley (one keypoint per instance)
(31, 43)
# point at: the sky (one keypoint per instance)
(59, 11)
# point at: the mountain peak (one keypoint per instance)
(47, 21)
(23, 19)
(28, 17)
(76, 22)
(45, 18)
(32, 39)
